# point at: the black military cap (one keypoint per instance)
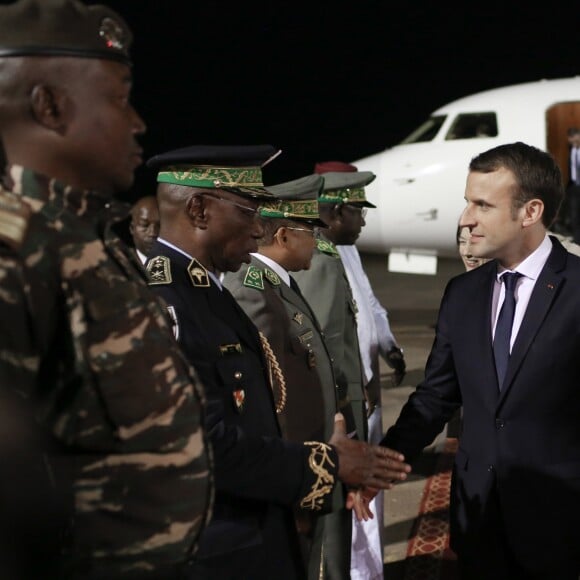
(63, 28)
(233, 168)
(346, 187)
(296, 200)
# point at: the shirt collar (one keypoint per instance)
(533, 264)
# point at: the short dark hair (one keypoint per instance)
(537, 175)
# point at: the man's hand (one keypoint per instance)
(364, 465)
(359, 501)
(396, 360)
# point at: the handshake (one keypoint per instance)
(362, 465)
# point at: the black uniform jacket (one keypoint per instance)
(255, 467)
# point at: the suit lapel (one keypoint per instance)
(482, 341)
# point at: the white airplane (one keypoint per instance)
(420, 182)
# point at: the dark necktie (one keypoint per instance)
(503, 329)
(295, 287)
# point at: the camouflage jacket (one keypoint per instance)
(88, 344)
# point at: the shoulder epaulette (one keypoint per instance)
(254, 278)
(272, 277)
(326, 247)
(159, 270)
(14, 219)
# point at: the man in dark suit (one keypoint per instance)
(208, 203)
(515, 499)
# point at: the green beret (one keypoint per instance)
(296, 200)
(63, 28)
(346, 187)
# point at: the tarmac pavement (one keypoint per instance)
(412, 302)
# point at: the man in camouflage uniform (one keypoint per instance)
(83, 341)
(208, 200)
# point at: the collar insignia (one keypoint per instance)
(198, 274)
(272, 277)
(326, 247)
(253, 278)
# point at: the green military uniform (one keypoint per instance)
(328, 292)
(325, 285)
(267, 293)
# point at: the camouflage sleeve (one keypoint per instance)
(18, 359)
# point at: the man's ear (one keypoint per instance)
(196, 210)
(280, 236)
(534, 210)
(49, 107)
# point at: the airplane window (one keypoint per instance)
(473, 126)
(426, 131)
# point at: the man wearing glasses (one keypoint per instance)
(342, 206)
(267, 292)
(208, 202)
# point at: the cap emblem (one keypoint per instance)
(113, 33)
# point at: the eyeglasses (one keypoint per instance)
(311, 232)
(248, 211)
(362, 210)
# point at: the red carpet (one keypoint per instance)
(428, 555)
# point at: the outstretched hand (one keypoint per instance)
(363, 465)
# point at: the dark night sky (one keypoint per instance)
(327, 80)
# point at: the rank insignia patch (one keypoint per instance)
(198, 274)
(159, 270)
(253, 278)
(298, 317)
(239, 396)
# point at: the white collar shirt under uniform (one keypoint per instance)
(530, 269)
(274, 266)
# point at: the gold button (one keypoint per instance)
(238, 375)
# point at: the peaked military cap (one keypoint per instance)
(63, 28)
(237, 169)
(296, 200)
(327, 166)
(346, 187)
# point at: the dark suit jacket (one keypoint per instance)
(525, 441)
(259, 476)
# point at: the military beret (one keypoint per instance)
(327, 166)
(346, 187)
(63, 28)
(296, 200)
(233, 168)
